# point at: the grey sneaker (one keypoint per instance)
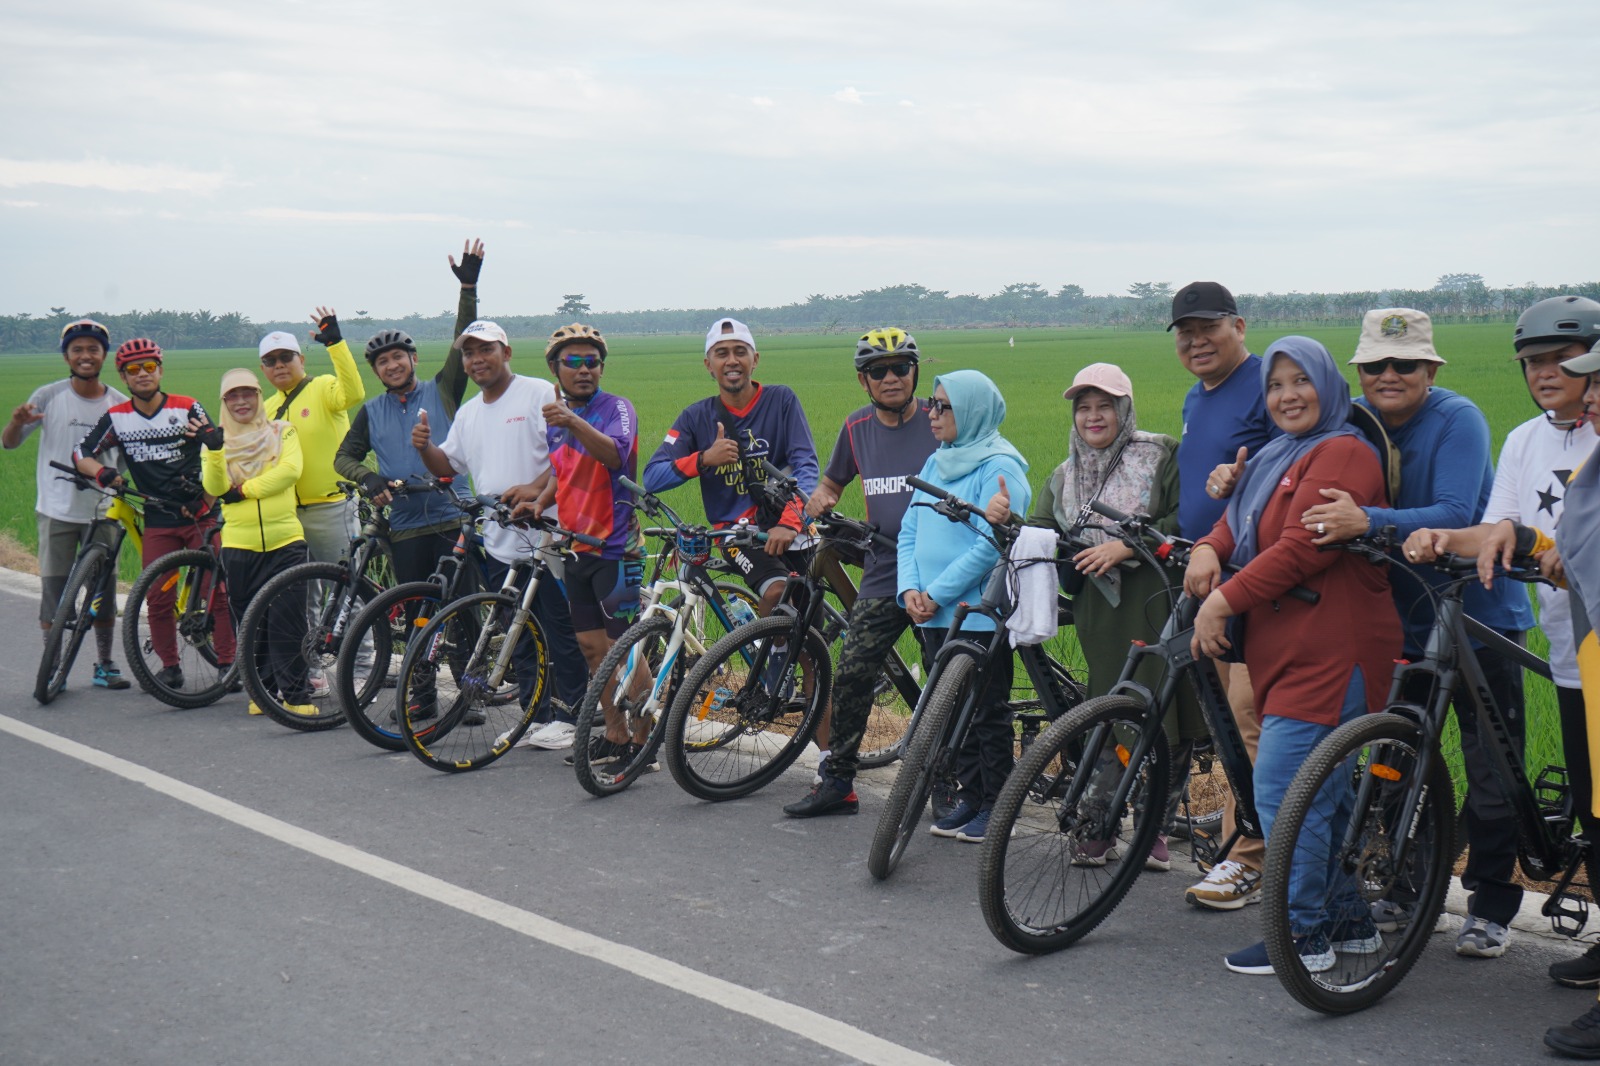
(1482, 939)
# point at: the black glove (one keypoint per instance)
(372, 484)
(210, 436)
(106, 475)
(328, 332)
(466, 271)
(232, 496)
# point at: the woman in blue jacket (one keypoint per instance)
(943, 563)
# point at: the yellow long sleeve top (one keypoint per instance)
(320, 412)
(265, 519)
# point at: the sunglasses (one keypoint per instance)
(586, 362)
(939, 407)
(883, 370)
(1377, 369)
(272, 359)
(141, 368)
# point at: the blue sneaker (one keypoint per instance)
(106, 675)
(947, 826)
(1357, 937)
(973, 831)
(1316, 955)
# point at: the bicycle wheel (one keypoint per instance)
(194, 579)
(1332, 867)
(747, 710)
(1201, 806)
(1061, 850)
(76, 614)
(928, 757)
(293, 628)
(631, 673)
(453, 716)
(889, 722)
(370, 657)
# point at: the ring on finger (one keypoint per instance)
(1322, 527)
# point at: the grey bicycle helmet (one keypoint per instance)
(878, 343)
(1556, 323)
(388, 340)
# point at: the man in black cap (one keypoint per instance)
(1224, 422)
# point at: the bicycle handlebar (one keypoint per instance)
(86, 482)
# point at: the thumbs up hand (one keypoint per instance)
(421, 437)
(723, 450)
(1221, 481)
(998, 510)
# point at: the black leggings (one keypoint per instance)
(279, 661)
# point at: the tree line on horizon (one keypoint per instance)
(1021, 305)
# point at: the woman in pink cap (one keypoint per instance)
(1111, 460)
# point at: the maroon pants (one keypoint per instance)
(159, 603)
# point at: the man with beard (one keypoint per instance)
(66, 410)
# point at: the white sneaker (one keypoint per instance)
(1228, 886)
(552, 736)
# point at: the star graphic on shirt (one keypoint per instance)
(1548, 501)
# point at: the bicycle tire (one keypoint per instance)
(744, 736)
(318, 646)
(889, 724)
(382, 627)
(925, 759)
(465, 726)
(644, 644)
(202, 591)
(1359, 978)
(72, 621)
(1060, 838)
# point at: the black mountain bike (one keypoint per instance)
(1387, 850)
(957, 678)
(198, 585)
(1079, 814)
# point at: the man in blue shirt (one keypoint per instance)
(1446, 475)
(1224, 422)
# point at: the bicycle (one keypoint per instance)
(752, 703)
(376, 639)
(199, 587)
(457, 699)
(1072, 827)
(1388, 848)
(679, 618)
(956, 680)
(91, 586)
(333, 594)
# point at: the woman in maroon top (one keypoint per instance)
(1312, 666)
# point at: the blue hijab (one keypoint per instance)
(1264, 470)
(979, 409)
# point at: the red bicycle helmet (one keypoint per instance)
(137, 350)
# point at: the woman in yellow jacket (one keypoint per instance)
(252, 465)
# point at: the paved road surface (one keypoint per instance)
(206, 887)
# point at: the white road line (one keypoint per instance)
(807, 1024)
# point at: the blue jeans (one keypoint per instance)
(1319, 896)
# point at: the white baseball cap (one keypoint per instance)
(279, 341)
(484, 330)
(729, 329)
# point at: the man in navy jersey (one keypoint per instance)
(721, 441)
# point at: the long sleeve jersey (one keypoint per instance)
(265, 519)
(771, 427)
(320, 413)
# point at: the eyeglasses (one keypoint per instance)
(141, 368)
(1378, 368)
(939, 407)
(880, 371)
(586, 362)
(272, 359)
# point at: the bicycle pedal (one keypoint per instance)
(1568, 914)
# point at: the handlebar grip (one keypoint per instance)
(632, 486)
(74, 471)
(1305, 595)
(923, 486)
(1107, 511)
(772, 471)
(584, 538)
(884, 542)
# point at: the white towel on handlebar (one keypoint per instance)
(1033, 556)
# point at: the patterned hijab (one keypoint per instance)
(251, 446)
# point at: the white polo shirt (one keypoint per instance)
(499, 445)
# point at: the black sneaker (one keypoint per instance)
(1580, 1040)
(170, 677)
(1581, 972)
(601, 751)
(833, 796)
(944, 798)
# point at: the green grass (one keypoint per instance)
(662, 374)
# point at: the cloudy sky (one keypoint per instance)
(271, 156)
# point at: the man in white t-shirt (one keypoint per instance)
(66, 411)
(1530, 482)
(498, 437)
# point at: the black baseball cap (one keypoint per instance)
(1202, 299)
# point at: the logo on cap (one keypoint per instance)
(1191, 297)
(1393, 326)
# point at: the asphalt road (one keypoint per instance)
(207, 887)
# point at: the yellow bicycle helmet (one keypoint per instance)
(574, 334)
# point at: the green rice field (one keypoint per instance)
(662, 374)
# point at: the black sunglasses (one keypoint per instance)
(1378, 368)
(277, 358)
(879, 371)
(939, 407)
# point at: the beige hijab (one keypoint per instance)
(253, 446)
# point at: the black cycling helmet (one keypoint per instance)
(387, 340)
(878, 343)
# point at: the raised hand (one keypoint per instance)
(998, 509)
(471, 262)
(723, 450)
(26, 415)
(421, 437)
(327, 332)
(1224, 477)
